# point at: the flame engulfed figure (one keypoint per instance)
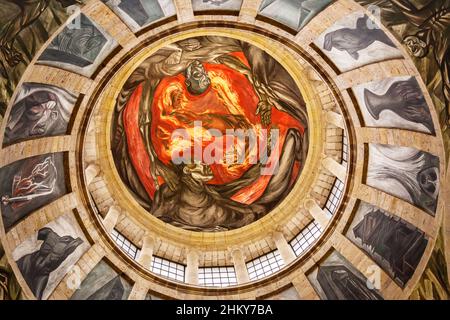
(223, 84)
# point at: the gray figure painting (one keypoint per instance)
(293, 13)
(391, 242)
(200, 5)
(46, 257)
(103, 283)
(395, 103)
(406, 173)
(336, 279)
(356, 41)
(29, 184)
(80, 47)
(39, 110)
(137, 14)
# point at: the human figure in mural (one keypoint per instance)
(79, 46)
(29, 12)
(417, 173)
(405, 98)
(430, 39)
(356, 39)
(399, 245)
(37, 266)
(195, 205)
(9, 287)
(181, 65)
(41, 182)
(40, 113)
(433, 22)
(339, 283)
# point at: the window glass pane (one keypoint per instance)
(305, 238)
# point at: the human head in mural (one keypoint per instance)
(39, 111)
(198, 171)
(417, 44)
(197, 80)
(42, 112)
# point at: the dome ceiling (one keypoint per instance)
(207, 151)
(240, 149)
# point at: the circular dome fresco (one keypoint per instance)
(209, 133)
(245, 152)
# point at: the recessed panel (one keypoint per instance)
(46, 256)
(29, 184)
(396, 245)
(406, 173)
(395, 103)
(356, 40)
(40, 110)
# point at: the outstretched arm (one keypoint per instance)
(267, 97)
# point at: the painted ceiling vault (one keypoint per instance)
(242, 149)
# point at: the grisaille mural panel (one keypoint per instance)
(39, 110)
(29, 184)
(355, 41)
(393, 243)
(395, 103)
(103, 283)
(137, 14)
(292, 13)
(46, 257)
(407, 173)
(80, 47)
(337, 279)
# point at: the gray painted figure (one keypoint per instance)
(30, 184)
(37, 266)
(80, 47)
(394, 244)
(407, 173)
(335, 278)
(353, 40)
(39, 111)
